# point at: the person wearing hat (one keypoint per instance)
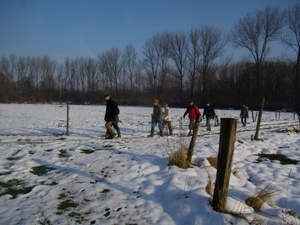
(193, 112)
(208, 113)
(157, 118)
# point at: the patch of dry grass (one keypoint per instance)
(213, 161)
(179, 158)
(261, 196)
(209, 186)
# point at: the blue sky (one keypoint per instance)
(85, 28)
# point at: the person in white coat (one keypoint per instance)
(167, 118)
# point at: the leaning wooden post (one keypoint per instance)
(225, 155)
(67, 118)
(259, 118)
(194, 137)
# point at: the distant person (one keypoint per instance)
(156, 118)
(208, 113)
(193, 112)
(244, 114)
(167, 118)
(111, 117)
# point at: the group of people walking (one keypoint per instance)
(163, 118)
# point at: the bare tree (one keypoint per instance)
(48, 79)
(163, 63)
(91, 72)
(6, 80)
(155, 63)
(21, 72)
(292, 40)
(60, 87)
(193, 58)
(178, 53)
(110, 64)
(212, 43)
(139, 79)
(151, 62)
(34, 71)
(129, 59)
(254, 32)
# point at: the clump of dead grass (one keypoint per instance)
(209, 186)
(260, 196)
(179, 157)
(213, 161)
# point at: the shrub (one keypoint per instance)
(179, 157)
(261, 196)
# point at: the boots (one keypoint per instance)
(119, 133)
(161, 133)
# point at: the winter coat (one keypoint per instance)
(112, 110)
(157, 113)
(244, 112)
(193, 112)
(167, 115)
(209, 112)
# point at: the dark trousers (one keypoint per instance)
(244, 121)
(169, 126)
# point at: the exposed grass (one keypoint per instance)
(281, 158)
(291, 213)
(40, 170)
(61, 139)
(14, 187)
(66, 204)
(87, 151)
(5, 173)
(261, 196)
(291, 130)
(13, 158)
(107, 146)
(62, 153)
(105, 191)
(30, 152)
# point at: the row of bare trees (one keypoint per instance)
(175, 67)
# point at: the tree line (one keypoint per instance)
(175, 68)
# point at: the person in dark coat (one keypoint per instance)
(244, 114)
(111, 117)
(193, 112)
(157, 118)
(208, 113)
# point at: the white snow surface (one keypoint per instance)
(86, 179)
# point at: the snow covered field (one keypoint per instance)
(84, 179)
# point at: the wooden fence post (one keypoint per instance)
(259, 118)
(225, 155)
(194, 137)
(67, 118)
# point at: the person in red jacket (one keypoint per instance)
(193, 112)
